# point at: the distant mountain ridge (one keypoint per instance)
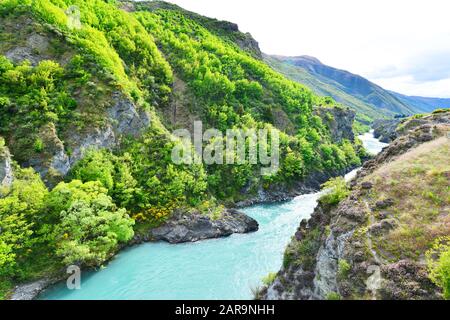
(367, 98)
(424, 104)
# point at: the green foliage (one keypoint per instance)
(269, 279)
(235, 90)
(360, 128)
(95, 166)
(438, 260)
(343, 268)
(84, 219)
(335, 190)
(163, 183)
(21, 207)
(333, 296)
(90, 231)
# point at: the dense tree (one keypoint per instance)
(21, 207)
(90, 231)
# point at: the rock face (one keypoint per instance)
(123, 118)
(384, 130)
(337, 252)
(389, 130)
(196, 226)
(339, 121)
(30, 291)
(6, 171)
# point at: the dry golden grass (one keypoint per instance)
(419, 183)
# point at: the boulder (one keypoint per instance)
(196, 226)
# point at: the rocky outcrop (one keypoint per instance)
(123, 118)
(384, 129)
(31, 290)
(196, 226)
(389, 130)
(6, 171)
(339, 121)
(337, 253)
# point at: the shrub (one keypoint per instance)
(333, 296)
(438, 260)
(90, 231)
(269, 279)
(335, 190)
(21, 207)
(343, 268)
(38, 145)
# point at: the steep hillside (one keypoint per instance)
(365, 112)
(89, 93)
(226, 30)
(385, 237)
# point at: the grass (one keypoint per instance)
(419, 183)
(269, 279)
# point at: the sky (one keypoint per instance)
(402, 45)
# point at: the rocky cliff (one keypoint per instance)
(388, 130)
(373, 243)
(339, 121)
(384, 129)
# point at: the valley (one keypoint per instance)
(164, 155)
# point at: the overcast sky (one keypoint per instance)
(402, 45)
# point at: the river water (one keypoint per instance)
(225, 268)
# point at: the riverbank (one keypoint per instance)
(375, 242)
(271, 256)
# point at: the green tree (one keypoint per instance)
(438, 259)
(21, 207)
(90, 231)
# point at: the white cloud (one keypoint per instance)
(407, 39)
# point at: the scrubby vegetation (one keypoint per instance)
(269, 279)
(420, 179)
(83, 217)
(438, 259)
(335, 190)
(236, 90)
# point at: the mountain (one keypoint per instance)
(424, 104)
(369, 100)
(228, 31)
(91, 92)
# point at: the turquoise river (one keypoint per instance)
(225, 268)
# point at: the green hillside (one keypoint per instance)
(365, 112)
(86, 112)
(369, 100)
